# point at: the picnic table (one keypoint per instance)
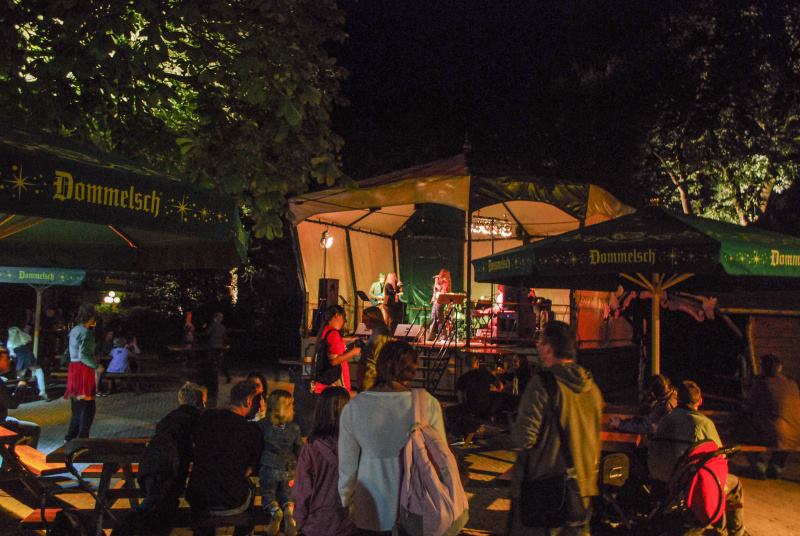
(113, 454)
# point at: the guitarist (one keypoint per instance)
(441, 284)
(376, 290)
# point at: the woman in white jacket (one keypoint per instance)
(373, 430)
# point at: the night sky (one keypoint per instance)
(426, 75)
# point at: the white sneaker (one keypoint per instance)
(275, 522)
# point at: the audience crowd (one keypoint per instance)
(346, 477)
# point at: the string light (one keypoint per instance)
(491, 226)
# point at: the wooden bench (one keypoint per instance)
(34, 460)
(135, 377)
(255, 516)
(95, 470)
(34, 519)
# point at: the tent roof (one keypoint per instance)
(382, 204)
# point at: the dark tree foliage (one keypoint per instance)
(235, 95)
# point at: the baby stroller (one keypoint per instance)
(693, 498)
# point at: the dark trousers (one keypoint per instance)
(82, 418)
(156, 514)
(732, 522)
(437, 321)
(275, 487)
(516, 528)
(237, 531)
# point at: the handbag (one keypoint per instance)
(553, 500)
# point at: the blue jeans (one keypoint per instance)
(275, 487)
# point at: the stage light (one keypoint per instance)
(326, 241)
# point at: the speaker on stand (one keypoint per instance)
(328, 295)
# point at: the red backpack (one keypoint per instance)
(432, 499)
(699, 481)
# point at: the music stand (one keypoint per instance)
(449, 297)
(363, 295)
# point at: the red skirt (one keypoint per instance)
(80, 381)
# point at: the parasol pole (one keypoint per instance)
(655, 325)
(37, 324)
(656, 286)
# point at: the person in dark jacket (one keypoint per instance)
(165, 466)
(772, 417)
(227, 449)
(579, 406)
(12, 400)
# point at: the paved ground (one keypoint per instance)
(770, 505)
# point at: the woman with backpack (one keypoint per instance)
(373, 429)
(330, 339)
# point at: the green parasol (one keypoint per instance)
(653, 248)
(63, 206)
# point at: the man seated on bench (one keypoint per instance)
(165, 466)
(678, 431)
(227, 449)
(12, 400)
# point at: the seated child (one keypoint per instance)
(119, 365)
(282, 444)
(318, 507)
(119, 357)
(663, 398)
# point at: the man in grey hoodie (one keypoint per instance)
(579, 406)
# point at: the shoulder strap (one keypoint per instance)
(551, 386)
(419, 405)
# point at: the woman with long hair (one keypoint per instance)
(20, 346)
(373, 430)
(442, 284)
(318, 509)
(373, 320)
(82, 374)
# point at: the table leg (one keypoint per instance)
(109, 468)
(130, 483)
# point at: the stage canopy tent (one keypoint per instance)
(375, 227)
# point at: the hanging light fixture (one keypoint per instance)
(326, 241)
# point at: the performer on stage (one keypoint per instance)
(375, 293)
(441, 283)
(392, 290)
(499, 307)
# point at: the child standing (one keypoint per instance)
(282, 444)
(319, 510)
